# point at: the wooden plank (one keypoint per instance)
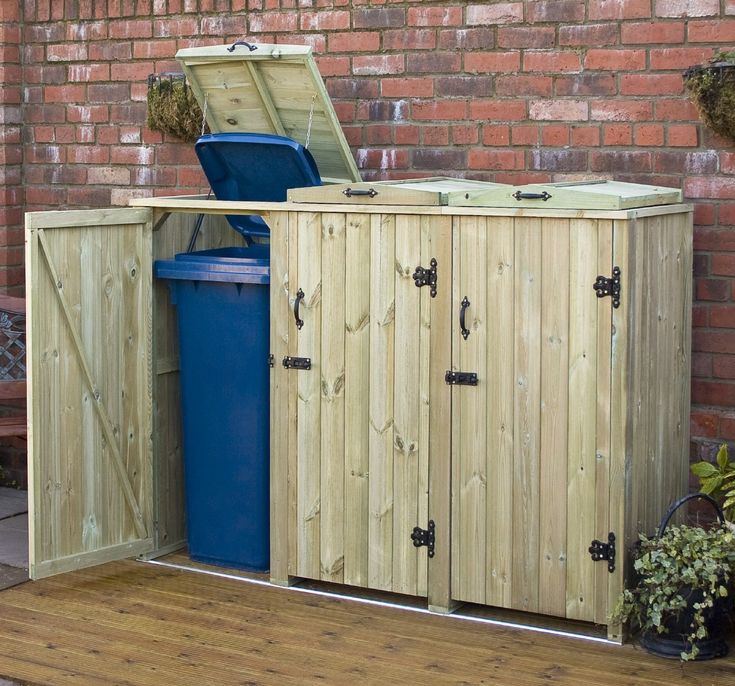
(332, 481)
(555, 322)
(308, 432)
(526, 424)
(501, 388)
(266, 100)
(357, 405)
(56, 219)
(280, 434)
(582, 421)
(437, 243)
(382, 364)
(406, 393)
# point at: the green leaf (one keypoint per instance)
(704, 470)
(722, 456)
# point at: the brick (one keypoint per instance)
(618, 162)
(712, 289)
(110, 52)
(588, 34)
(85, 196)
(406, 135)
(722, 316)
(378, 135)
(379, 18)
(709, 187)
(417, 39)
(713, 341)
(490, 62)
(615, 60)
(526, 37)
(617, 134)
(131, 28)
(621, 110)
(727, 162)
(333, 66)
(86, 31)
(648, 134)
(84, 73)
(404, 87)
(465, 135)
(464, 86)
(713, 393)
(41, 33)
(678, 58)
(175, 27)
(646, 33)
(562, 110)
(495, 13)
(555, 136)
(505, 160)
(275, 22)
(498, 110)
(223, 26)
(439, 110)
(558, 160)
(675, 109)
(704, 214)
(434, 62)
(723, 265)
(435, 136)
(651, 84)
(523, 86)
(67, 93)
(704, 423)
(585, 84)
(524, 135)
(355, 41)
(723, 366)
(133, 71)
(719, 31)
(88, 114)
(678, 9)
(700, 316)
(727, 214)
(435, 16)
(467, 39)
(556, 11)
(727, 428)
(86, 154)
(382, 159)
(496, 135)
(682, 135)
(383, 110)
(325, 21)
(67, 52)
(551, 61)
(154, 49)
(378, 64)
(618, 9)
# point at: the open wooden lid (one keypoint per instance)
(571, 195)
(270, 89)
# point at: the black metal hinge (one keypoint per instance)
(461, 378)
(426, 277)
(425, 537)
(604, 287)
(604, 551)
(271, 360)
(297, 362)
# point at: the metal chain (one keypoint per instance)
(311, 119)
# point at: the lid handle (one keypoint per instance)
(519, 195)
(350, 192)
(249, 46)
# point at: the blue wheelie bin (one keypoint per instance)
(222, 303)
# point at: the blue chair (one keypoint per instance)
(254, 166)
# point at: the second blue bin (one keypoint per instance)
(222, 297)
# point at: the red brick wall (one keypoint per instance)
(508, 91)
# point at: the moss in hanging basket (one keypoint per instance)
(712, 88)
(172, 107)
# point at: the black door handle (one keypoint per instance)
(464, 305)
(299, 298)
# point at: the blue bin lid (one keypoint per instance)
(254, 166)
(228, 265)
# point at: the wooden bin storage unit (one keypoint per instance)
(574, 427)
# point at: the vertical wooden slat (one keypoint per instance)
(382, 326)
(527, 416)
(294, 421)
(582, 420)
(554, 416)
(309, 395)
(332, 480)
(357, 381)
(440, 342)
(406, 403)
(280, 320)
(500, 389)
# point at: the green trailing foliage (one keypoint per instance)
(718, 480)
(711, 87)
(172, 107)
(687, 569)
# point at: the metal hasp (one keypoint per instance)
(604, 551)
(604, 286)
(297, 363)
(426, 277)
(461, 378)
(425, 537)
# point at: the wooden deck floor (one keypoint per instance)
(135, 623)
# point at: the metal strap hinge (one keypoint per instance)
(421, 537)
(604, 551)
(426, 277)
(604, 287)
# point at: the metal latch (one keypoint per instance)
(604, 551)
(425, 537)
(297, 362)
(461, 378)
(426, 277)
(604, 287)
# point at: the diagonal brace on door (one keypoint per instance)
(98, 404)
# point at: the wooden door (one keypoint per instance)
(531, 441)
(351, 457)
(88, 285)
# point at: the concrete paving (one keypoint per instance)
(13, 530)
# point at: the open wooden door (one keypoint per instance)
(88, 289)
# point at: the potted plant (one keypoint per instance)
(712, 88)
(173, 109)
(684, 588)
(718, 480)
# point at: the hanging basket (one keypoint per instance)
(172, 107)
(711, 87)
